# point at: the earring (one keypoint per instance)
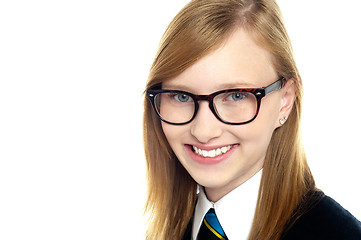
(283, 120)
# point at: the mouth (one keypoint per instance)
(212, 152)
(206, 155)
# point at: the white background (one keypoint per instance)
(72, 74)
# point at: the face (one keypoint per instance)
(238, 63)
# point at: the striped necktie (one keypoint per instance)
(211, 228)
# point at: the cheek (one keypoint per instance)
(169, 134)
(258, 133)
(269, 113)
(254, 137)
(173, 134)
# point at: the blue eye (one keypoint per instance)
(236, 96)
(181, 97)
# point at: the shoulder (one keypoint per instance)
(325, 220)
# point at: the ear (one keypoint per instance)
(288, 97)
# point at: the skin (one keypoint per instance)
(238, 63)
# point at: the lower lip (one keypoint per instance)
(210, 160)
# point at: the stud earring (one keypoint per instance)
(283, 120)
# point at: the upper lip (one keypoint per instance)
(208, 148)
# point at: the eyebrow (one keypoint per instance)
(238, 85)
(222, 86)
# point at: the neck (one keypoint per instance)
(216, 193)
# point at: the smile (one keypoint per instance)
(212, 153)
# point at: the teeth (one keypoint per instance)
(212, 153)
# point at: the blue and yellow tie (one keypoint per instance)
(211, 228)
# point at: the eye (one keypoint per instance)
(236, 96)
(181, 97)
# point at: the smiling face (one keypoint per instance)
(218, 156)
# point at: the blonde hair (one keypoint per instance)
(199, 28)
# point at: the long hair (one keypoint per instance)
(198, 29)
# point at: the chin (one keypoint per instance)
(209, 180)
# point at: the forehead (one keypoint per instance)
(238, 63)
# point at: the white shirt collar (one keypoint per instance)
(235, 211)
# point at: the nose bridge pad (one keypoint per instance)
(213, 109)
(207, 108)
(204, 126)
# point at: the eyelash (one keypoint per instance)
(174, 96)
(233, 93)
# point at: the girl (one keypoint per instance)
(222, 132)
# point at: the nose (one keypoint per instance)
(205, 126)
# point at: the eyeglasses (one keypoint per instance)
(231, 106)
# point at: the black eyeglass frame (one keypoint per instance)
(259, 93)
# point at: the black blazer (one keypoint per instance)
(326, 219)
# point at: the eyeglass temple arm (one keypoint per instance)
(275, 86)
